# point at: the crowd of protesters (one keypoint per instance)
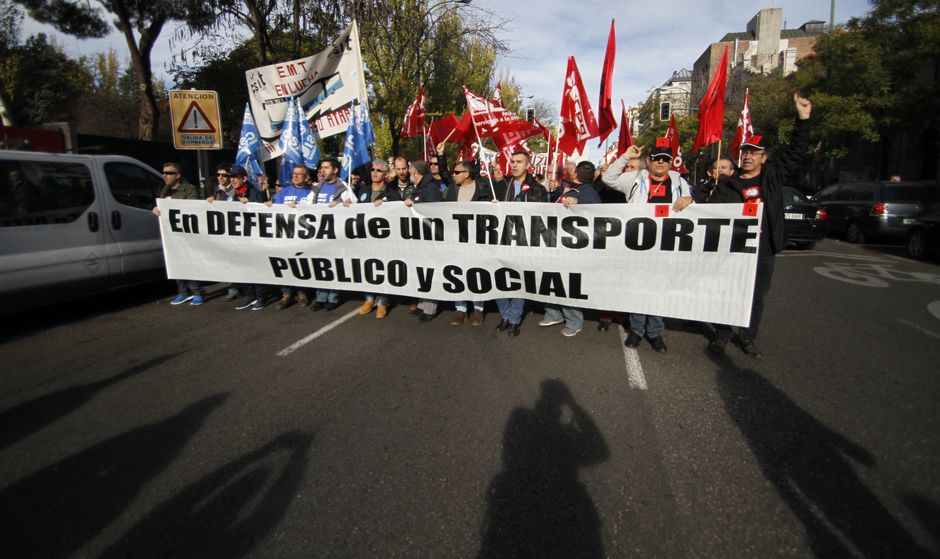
(630, 178)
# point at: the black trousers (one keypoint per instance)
(765, 273)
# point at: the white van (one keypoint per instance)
(75, 225)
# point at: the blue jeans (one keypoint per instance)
(381, 300)
(647, 325)
(324, 296)
(190, 286)
(511, 309)
(573, 318)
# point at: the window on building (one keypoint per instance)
(664, 111)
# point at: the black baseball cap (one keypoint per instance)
(237, 171)
(754, 142)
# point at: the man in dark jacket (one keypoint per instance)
(581, 191)
(426, 189)
(762, 180)
(522, 187)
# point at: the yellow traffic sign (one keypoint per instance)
(195, 118)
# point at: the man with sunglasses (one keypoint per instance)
(761, 181)
(465, 188)
(657, 184)
(176, 188)
(298, 192)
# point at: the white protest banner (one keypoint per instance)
(697, 264)
(326, 83)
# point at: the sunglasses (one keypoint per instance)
(459, 172)
(378, 170)
(222, 175)
(170, 173)
(434, 163)
(662, 159)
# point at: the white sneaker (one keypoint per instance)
(546, 322)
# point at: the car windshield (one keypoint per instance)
(793, 196)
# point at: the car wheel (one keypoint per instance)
(853, 232)
(917, 244)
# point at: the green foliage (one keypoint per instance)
(40, 82)
(865, 82)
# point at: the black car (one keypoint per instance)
(804, 223)
(923, 238)
(875, 210)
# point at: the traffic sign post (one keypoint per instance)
(195, 117)
(196, 125)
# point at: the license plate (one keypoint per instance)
(792, 216)
(907, 220)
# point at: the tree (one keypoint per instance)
(39, 82)
(140, 22)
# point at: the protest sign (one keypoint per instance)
(697, 264)
(326, 84)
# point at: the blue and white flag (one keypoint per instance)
(367, 131)
(289, 144)
(356, 150)
(308, 141)
(248, 145)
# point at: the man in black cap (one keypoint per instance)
(658, 184)
(760, 180)
(237, 189)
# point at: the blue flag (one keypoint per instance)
(248, 145)
(289, 143)
(308, 142)
(367, 130)
(356, 150)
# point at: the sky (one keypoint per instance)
(654, 38)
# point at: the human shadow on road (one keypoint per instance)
(55, 511)
(810, 466)
(536, 505)
(226, 512)
(24, 419)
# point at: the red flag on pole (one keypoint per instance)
(672, 134)
(606, 121)
(626, 138)
(711, 110)
(577, 116)
(546, 133)
(491, 120)
(446, 129)
(430, 146)
(743, 133)
(414, 118)
(498, 96)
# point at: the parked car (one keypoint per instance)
(75, 225)
(804, 223)
(923, 238)
(875, 210)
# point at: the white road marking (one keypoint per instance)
(934, 308)
(632, 359)
(920, 328)
(836, 255)
(304, 341)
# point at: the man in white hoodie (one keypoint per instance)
(657, 184)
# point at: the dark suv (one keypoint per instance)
(869, 210)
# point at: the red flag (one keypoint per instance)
(626, 138)
(546, 133)
(672, 134)
(430, 147)
(448, 125)
(577, 117)
(744, 131)
(606, 121)
(491, 121)
(498, 96)
(711, 111)
(414, 118)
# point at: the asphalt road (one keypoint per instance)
(132, 428)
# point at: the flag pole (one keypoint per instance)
(479, 143)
